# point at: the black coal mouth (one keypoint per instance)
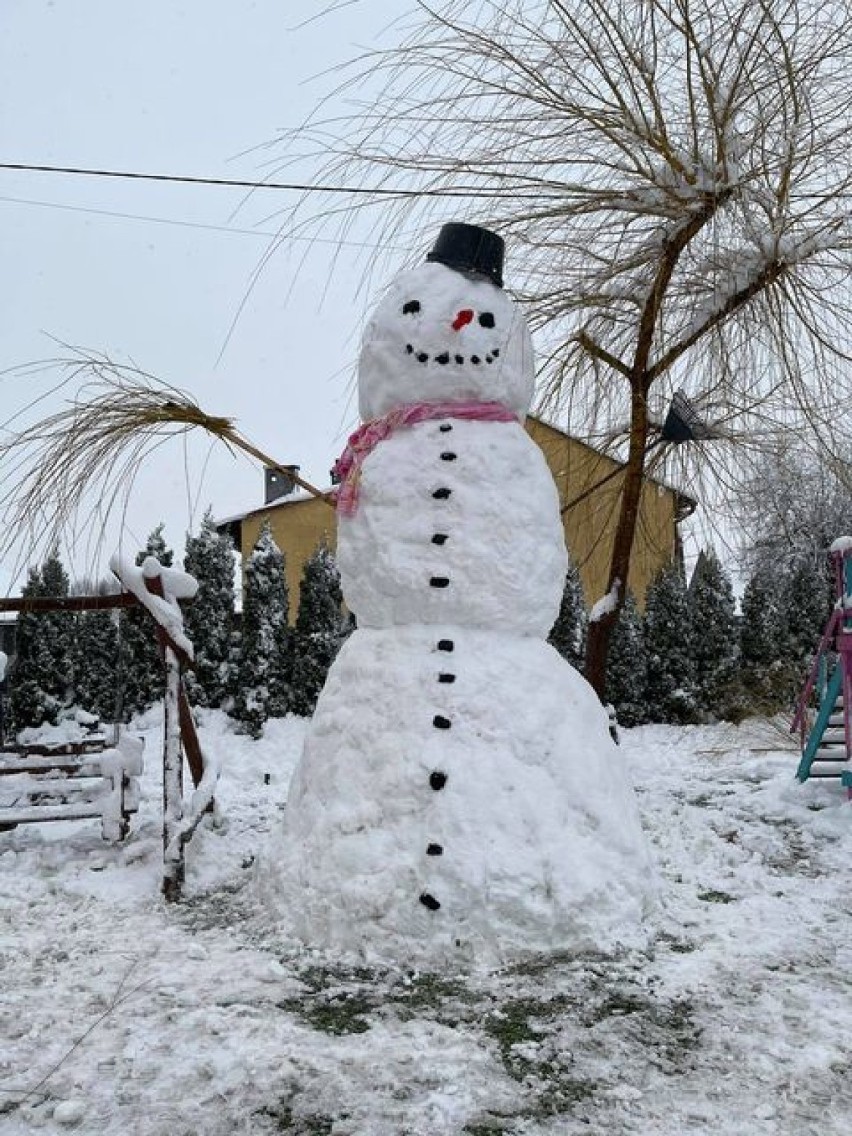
(449, 358)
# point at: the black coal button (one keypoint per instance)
(439, 582)
(441, 723)
(446, 645)
(437, 780)
(441, 494)
(434, 850)
(439, 538)
(448, 456)
(444, 677)
(445, 427)
(429, 901)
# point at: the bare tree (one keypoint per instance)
(793, 507)
(673, 177)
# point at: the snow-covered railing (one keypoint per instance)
(68, 786)
(826, 643)
(839, 627)
(831, 679)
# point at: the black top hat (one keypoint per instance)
(468, 248)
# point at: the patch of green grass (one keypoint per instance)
(677, 946)
(700, 801)
(564, 1095)
(282, 1117)
(521, 1028)
(319, 978)
(518, 1021)
(429, 991)
(534, 966)
(342, 1000)
(488, 1126)
(618, 1003)
(711, 895)
(336, 1013)
(338, 1000)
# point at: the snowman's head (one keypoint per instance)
(444, 335)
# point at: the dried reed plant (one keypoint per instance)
(92, 447)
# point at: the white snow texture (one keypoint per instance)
(540, 843)
(504, 554)
(459, 794)
(165, 610)
(390, 375)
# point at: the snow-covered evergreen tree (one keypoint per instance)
(669, 694)
(141, 674)
(262, 683)
(96, 663)
(627, 666)
(569, 631)
(42, 682)
(764, 668)
(320, 629)
(713, 637)
(806, 597)
(209, 619)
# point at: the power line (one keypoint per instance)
(136, 217)
(298, 187)
(267, 233)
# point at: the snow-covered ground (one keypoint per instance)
(120, 1014)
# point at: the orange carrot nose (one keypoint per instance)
(463, 317)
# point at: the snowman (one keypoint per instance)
(459, 794)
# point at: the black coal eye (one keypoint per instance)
(414, 306)
(486, 319)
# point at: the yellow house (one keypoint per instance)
(589, 490)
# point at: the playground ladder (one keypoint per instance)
(827, 737)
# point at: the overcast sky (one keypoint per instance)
(177, 87)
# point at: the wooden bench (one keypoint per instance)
(69, 782)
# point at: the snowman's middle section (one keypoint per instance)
(457, 522)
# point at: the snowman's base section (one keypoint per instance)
(459, 795)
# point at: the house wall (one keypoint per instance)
(590, 524)
(298, 525)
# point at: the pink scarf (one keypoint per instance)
(347, 468)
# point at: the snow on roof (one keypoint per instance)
(297, 497)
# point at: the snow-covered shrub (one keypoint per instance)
(569, 631)
(713, 639)
(262, 682)
(320, 629)
(627, 666)
(42, 680)
(805, 600)
(669, 694)
(209, 619)
(96, 664)
(767, 675)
